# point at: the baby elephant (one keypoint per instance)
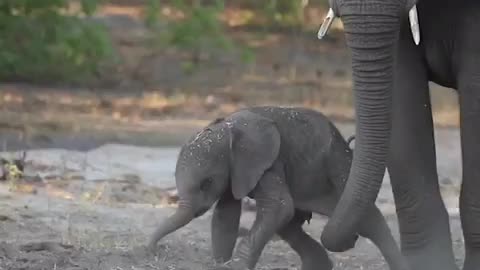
(292, 161)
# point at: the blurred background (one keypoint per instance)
(77, 73)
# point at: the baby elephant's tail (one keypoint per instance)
(350, 139)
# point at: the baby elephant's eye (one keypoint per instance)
(206, 184)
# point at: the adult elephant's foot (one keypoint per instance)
(431, 258)
(425, 237)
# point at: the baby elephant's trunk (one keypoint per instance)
(181, 218)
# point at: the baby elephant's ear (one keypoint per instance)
(254, 146)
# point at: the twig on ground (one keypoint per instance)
(45, 246)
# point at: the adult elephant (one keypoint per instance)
(394, 120)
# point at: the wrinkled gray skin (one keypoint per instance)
(394, 122)
(292, 161)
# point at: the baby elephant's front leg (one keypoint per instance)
(274, 210)
(225, 221)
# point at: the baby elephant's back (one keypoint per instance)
(306, 135)
(305, 127)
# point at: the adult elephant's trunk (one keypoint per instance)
(180, 218)
(371, 29)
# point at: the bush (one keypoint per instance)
(287, 13)
(40, 43)
(279, 13)
(199, 32)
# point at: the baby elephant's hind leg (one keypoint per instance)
(312, 254)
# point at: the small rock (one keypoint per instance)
(5, 218)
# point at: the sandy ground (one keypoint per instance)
(96, 209)
(112, 237)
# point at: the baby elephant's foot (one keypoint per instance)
(316, 259)
(314, 265)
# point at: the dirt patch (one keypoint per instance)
(71, 219)
(72, 235)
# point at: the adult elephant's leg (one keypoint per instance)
(423, 219)
(469, 89)
(374, 227)
(312, 254)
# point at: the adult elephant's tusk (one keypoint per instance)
(327, 23)
(414, 25)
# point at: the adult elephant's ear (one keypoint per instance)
(254, 146)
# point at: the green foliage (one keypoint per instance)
(200, 29)
(283, 13)
(199, 32)
(151, 12)
(89, 6)
(40, 43)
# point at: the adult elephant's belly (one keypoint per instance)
(440, 64)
